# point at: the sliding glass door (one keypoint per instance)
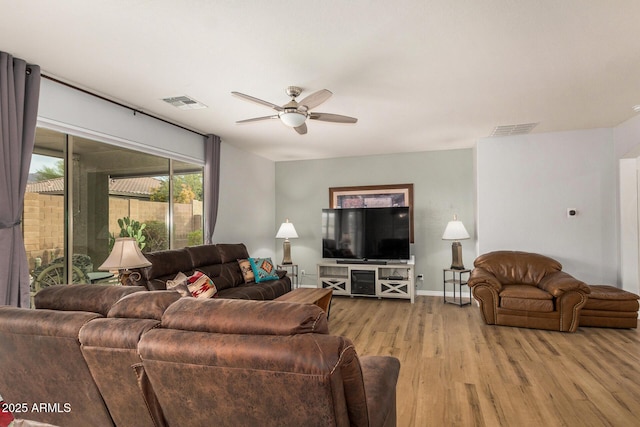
(83, 194)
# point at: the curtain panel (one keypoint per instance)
(211, 185)
(19, 93)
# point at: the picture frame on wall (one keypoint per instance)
(371, 196)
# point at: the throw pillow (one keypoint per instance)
(6, 417)
(247, 271)
(179, 284)
(263, 269)
(201, 286)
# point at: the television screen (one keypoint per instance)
(366, 233)
(343, 233)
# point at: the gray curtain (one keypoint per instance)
(211, 185)
(19, 92)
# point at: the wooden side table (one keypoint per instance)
(456, 278)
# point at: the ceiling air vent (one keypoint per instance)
(184, 103)
(508, 130)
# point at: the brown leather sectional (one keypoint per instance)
(219, 262)
(105, 356)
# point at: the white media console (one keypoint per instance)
(370, 280)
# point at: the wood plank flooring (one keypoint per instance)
(457, 371)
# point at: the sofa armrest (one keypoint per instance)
(570, 304)
(560, 282)
(380, 376)
(480, 275)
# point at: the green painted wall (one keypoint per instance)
(443, 185)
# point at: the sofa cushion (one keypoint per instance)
(143, 305)
(230, 316)
(525, 297)
(263, 269)
(264, 291)
(203, 255)
(232, 252)
(82, 297)
(225, 275)
(515, 267)
(610, 298)
(167, 263)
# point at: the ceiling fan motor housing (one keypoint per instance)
(293, 91)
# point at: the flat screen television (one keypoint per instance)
(366, 233)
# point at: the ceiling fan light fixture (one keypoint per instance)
(292, 118)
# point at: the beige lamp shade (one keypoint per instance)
(125, 255)
(286, 231)
(455, 230)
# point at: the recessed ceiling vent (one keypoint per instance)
(184, 103)
(508, 130)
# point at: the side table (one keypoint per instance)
(292, 271)
(456, 278)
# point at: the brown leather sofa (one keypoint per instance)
(219, 262)
(41, 359)
(527, 290)
(121, 356)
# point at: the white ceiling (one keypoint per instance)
(418, 74)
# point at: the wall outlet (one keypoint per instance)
(302, 272)
(420, 276)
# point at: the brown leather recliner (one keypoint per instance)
(43, 368)
(527, 290)
(239, 363)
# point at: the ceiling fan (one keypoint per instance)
(294, 114)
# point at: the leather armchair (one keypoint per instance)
(527, 290)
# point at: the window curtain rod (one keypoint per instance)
(53, 79)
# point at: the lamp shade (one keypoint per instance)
(455, 230)
(287, 231)
(125, 255)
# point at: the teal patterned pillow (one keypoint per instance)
(263, 269)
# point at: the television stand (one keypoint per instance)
(380, 279)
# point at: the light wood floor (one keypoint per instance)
(457, 371)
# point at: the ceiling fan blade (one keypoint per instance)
(335, 118)
(256, 119)
(258, 101)
(315, 99)
(302, 129)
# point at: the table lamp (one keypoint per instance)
(286, 231)
(455, 231)
(124, 256)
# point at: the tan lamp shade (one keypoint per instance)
(455, 231)
(125, 255)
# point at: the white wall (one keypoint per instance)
(627, 149)
(246, 210)
(629, 250)
(443, 185)
(66, 109)
(525, 185)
